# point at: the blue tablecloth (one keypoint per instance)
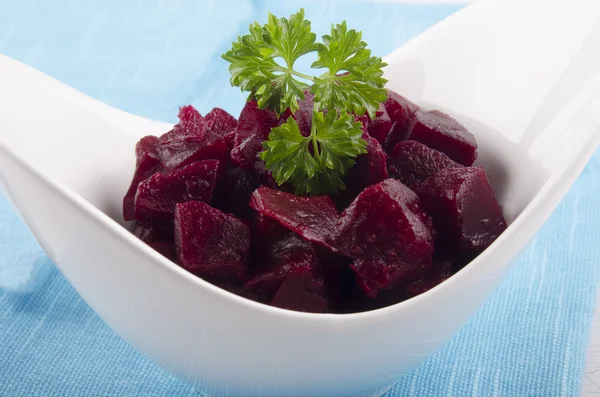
(149, 58)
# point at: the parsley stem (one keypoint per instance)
(313, 138)
(304, 76)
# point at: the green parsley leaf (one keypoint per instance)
(354, 78)
(314, 164)
(253, 58)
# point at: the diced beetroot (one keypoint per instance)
(412, 162)
(194, 139)
(370, 168)
(360, 302)
(440, 271)
(238, 290)
(234, 189)
(388, 234)
(303, 115)
(313, 218)
(156, 197)
(402, 114)
(464, 209)
(300, 294)
(441, 132)
(147, 163)
(219, 122)
(254, 126)
(189, 115)
(379, 128)
(286, 255)
(265, 231)
(210, 243)
(158, 236)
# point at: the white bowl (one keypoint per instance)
(531, 95)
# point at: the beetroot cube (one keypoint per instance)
(219, 122)
(265, 231)
(254, 126)
(285, 256)
(388, 234)
(441, 132)
(300, 294)
(158, 236)
(379, 128)
(313, 218)
(412, 162)
(189, 115)
(147, 163)
(210, 243)
(234, 189)
(156, 197)
(464, 209)
(402, 114)
(370, 168)
(194, 139)
(440, 271)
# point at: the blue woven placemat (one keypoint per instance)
(149, 58)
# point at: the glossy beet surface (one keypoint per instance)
(412, 162)
(157, 235)
(388, 234)
(313, 218)
(253, 128)
(147, 163)
(156, 197)
(210, 243)
(370, 168)
(379, 128)
(464, 209)
(195, 138)
(441, 132)
(402, 114)
(284, 256)
(202, 197)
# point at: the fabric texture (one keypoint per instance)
(150, 57)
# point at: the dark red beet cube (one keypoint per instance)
(379, 128)
(300, 294)
(412, 162)
(441, 132)
(313, 218)
(194, 139)
(219, 122)
(156, 196)
(388, 234)
(265, 231)
(464, 209)
(284, 256)
(440, 271)
(234, 189)
(158, 236)
(189, 115)
(238, 290)
(370, 168)
(147, 163)
(254, 126)
(402, 114)
(210, 243)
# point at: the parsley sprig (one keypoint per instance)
(262, 63)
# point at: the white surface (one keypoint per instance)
(193, 328)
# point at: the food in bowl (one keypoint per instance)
(335, 197)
